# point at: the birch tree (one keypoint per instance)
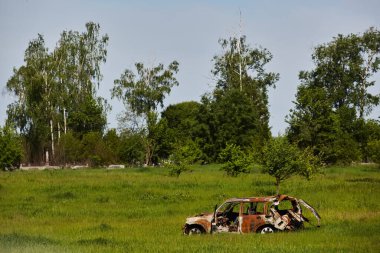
(79, 76)
(50, 87)
(142, 93)
(241, 92)
(33, 86)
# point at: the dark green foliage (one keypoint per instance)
(333, 98)
(69, 150)
(95, 151)
(92, 148)
(112, 142)
(229, 118)
(182, 118)
(132, 149)
(368, 132)
(374, 151)
(314, 124)
(282, 160)
(89, 116)
(182, 127)
(11, 151)
(237, 110)
(158, 139)
(235, 160)
(242, 68)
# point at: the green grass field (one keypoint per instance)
(143, 210)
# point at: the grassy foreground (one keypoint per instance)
(143, 210)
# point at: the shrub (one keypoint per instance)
(69, 150)
(131, 149)
(11, 151)
(182, 157)
(235, 160)
(282, 160)
(374, 151)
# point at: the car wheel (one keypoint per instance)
(195, 231)
(267, 230)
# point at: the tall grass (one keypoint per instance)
(143, 210)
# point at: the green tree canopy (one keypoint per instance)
(183, 119)
(237, 110)
(142, 94)
(235, 160)
(334, 97)
(282, 160)
(182, 127)
(243, 68)
(51, 87)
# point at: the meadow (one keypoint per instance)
(144, 209)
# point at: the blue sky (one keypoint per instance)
(187, 31)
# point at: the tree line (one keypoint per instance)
(59, 118)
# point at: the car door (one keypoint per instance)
(311, 209)
(251, 216)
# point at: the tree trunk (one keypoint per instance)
(59, 130)
(148, 153)
(64, 119)
(278, 186)
(52, 139)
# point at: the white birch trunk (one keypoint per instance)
(64, 120)
(59, 130)
(52, 139)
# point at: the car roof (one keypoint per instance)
(261, 199)
(252, 199)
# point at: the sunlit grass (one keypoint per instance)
(143, 209)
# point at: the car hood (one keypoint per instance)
(201, 216)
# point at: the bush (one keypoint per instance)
(235, 160)
(11, 151)
(132, 149)
(177, 169)
(69, 150)
(374, 151)
(190, 152)
(182, 157)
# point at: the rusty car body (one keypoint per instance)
(253, 214)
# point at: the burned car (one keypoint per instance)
(254, 214)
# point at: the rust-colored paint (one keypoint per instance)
(205, 224)
(256, 222)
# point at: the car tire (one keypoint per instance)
(195, 230)
(266, 230)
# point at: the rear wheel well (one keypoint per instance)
(258, 230)
(189, 227)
